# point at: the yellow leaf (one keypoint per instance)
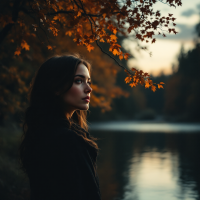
(104, 15)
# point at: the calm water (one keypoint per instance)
(142, 164)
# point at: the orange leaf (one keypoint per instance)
(133, 69)
(90, 47)
(114, 31)
(79, 13)
(147, 85)
(18, 51)
(24, 45)
(49, 47)
(126, 55)
(153, 88)
(115, 52)
(113, 37)
(128, 79)
(101, 40)
(133, 84)
(120, 56)
(160, 86)
(68, 33)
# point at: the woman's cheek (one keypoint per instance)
(75, 91)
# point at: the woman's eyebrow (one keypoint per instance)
(82, 76)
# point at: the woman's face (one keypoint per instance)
(73, 98)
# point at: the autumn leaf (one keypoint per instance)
(133, 69)
(133, 84)
(126, 55)
(115, 31)
(153, 88)
(90, 47)
(115, 52)
(160, 86)
(24, 45)
(128, 79)
(113, 37)
(68, 33)
(120, 56)
(18, 51)
(147, 85)
(49, 47)
(79, 14)
(101, 40)
(154, 40)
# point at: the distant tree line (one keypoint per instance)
(182, 94)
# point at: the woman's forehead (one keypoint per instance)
(82, 70)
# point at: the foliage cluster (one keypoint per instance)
(32, 30)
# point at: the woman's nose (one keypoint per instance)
(89, 89)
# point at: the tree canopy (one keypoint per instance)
(32, 30)
(88, 22)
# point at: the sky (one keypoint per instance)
(166, 49)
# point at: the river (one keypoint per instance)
(148, 160)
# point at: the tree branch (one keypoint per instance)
(130, 72)
(68, 12)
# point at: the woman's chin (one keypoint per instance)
(85, 107)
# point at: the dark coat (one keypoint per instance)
(62, 166)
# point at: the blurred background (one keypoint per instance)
(149, 141)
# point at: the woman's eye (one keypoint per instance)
(77, 80)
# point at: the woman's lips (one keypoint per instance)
(86, 100)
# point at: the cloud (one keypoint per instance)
(188, 13)
(185, 32)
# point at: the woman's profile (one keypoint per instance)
(57, 152)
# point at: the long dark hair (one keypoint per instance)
(56, 74)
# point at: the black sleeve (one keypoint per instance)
(70, 173)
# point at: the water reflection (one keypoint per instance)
(148, 166)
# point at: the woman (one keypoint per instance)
(57, 152)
